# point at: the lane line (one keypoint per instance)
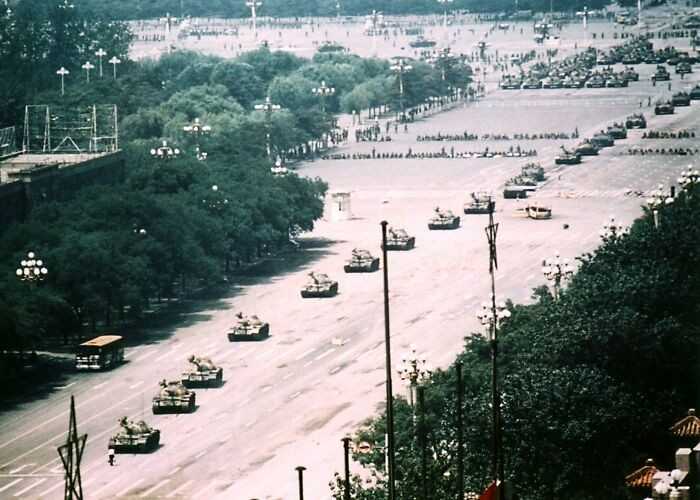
(200, 454)
(321, 356)
(131, 486)
(101, 385)
(179, 489)
(22, 492)
(301, 356)
(308, 363)
(151, 490)
(140, 382)
(11, 484)
(15, 471)
(174, 471)
(266, 388)
(96, 493)
(55, 486)
(288, 375)
(67, 386)
(149, 353)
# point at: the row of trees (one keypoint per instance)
(590, 382)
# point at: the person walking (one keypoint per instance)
(110, 457)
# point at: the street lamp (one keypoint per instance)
(197, 129)
(557, 270)
(279, 170)
(400, 67)
(658, 199)
(268, 108)
(444, 58)
(100, 54)
(165, 152)
(323, 91)
(252, 5)
(217, 202)
(87, 67)
(611, 229)
(444, 4)
(62, 72)
(689, 178)
(413, 371)
(31, 269)
(114, 61)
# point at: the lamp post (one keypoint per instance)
(323, 91)
(252, 5)
(268, 108)
(689, 178)
(87, 67)
(611, 229)
(413, 370)
(62, 72)
(400, 67)
(31, 269)
(217, 202)
(100, 54)
(444, 4)
(444, 58)
(346, 480)
(658, 199)
(300, 469)
(557, 270)
(165, 152)
(197, 129)
(114, 61)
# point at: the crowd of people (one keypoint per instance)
(662, 134)
(466, 136)
(662, 151)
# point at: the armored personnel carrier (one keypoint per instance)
(248, 328)
(202, 372)
(617, 131)
(636, 120)
(664, 108)
(681, 99)
(173, 397)
(319, 285)
(661, 74)
(602, 140)
(134, 437)
(398, 239)
(481, 203)
(567, 157)
(361, 261)
(443, 219)
(586, 148)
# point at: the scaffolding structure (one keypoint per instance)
(8, 141)
(54, 129)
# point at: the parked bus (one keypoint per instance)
(99, 353)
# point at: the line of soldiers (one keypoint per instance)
(681, 134)
(466, 136)
(663, 151)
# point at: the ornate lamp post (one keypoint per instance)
(611, 229)
(31, 269)
(62, 72)
(114, 61)
(323, 91)
(100, 54)
(400, 67)
(197, 129)
(165, 152)
(268, 108)
(557, 270)
(689, 178)
(413, 371)
(87, 67)
(217, 202)
(252, 5)
(658, 199)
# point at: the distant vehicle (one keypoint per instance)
(615, 82)
(504, 26)
(602, 140)
(481, 203)
(422, 42)
(661, 74)
(133, 437)
(202, 372)
(630, 75)
(361, 261)
(684, 68)
(443, 219)
(586, 148)
(695, 93)
(173, 397)
(534, 211)
(516, 192)
(99, 353)
(664, 108)
(567, 157)
(319, 285)
(681, 99)
(398, 239)
(532, 83)
(248, 328)
(617, 131)
(596, 82)
(636, 120)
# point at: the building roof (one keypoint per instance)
(642, 477)
(688, 427)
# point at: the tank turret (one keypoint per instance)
(173, 397)
(248, 328)
(134, 437)
(319, 285)
(202, 372)
(361, 261)
(443, 219)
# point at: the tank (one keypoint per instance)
(481, 203)
(567, 157)
(361, 261)
(531, 83)
(684, 68)
(617, 131)
(614, 82)
(636, 120)
(533, 171)
(173, 397)
(664, 108)
(443, 219)
(630, 75)
(596, 82)
(586, 148)
(319, 285)
(510, 82)
(248, 328)
(681, 99)
(602, 140)
(398, 239)
(695, 93)
(202, 372)
(422, 42)
(134, 437)
(661, 74)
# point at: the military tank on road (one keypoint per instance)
(637, 120)
(617, 131)
(398, 239)
(602, 140)
(664, 108)
(481, 203)
(361, 261)
(443, 219)
(319, 285)
(248, 328)
(567, 157)
(661, 74)
(684, 68)
(586, 148)
(422, 42)
(202, 372)
(595, 82)
(695, 93)
(681, 99)
(133, 437)
(173, 397)
(630, 75)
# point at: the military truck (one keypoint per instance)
(173, 397)
(443, 219)
(248, 328)
(481, 203)
(134, 437)
(319, 285)
(398, 239)
(202, 372)
(361, 261)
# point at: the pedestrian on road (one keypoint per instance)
(110, 457)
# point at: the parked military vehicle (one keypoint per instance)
(664, 108)
(614, 82)
(319, 285)
(617, 131)
(586, 148)
(361, 261)
(596, 82)
(202, 372)
(684, 68)
(695, 93)
(681, 99)
(567, 157)
(637, 120)
(481, 203)
(661, 74)
(134, 437)
(510, 82)
(248, 328)
(531, 83)
(443, 219)
(398, 239)
(173, 397)
(630, 75)
(422, 42)
(602, 140)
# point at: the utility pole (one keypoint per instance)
(71, 454)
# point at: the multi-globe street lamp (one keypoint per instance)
(659, 198)
(400, 67)
(557, 270)
(611, 229)
(197, 129)
(252, 5)
(165, 152)
(62, 72)
(100, 54)
(87, 67)
(31, 269)
(217, 201)
(689, 178)
(323, 91)
(114, 61)
(268, 108)
(413, 370)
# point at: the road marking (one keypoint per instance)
(266, 388)
(11, 484)
(179, 489)
(149, 353)
(200, 454)
(66, 386)
(101, 385)
(288, 375)
(295, 395)
(264, 354)
(149, 491)
(250, 424)
(244, 402)
(96, 493)
(321, 356)
(20, 493)
(307, 363)
(174, 471)
(336, 369)
(131, 486)
(136, 384)
(55, 486)
(20, 468)
(301, 356)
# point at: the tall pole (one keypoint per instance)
(71, 454)
(389, 393)
(460, 433)
(346, 451)
(423, 444)
(301, 470)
